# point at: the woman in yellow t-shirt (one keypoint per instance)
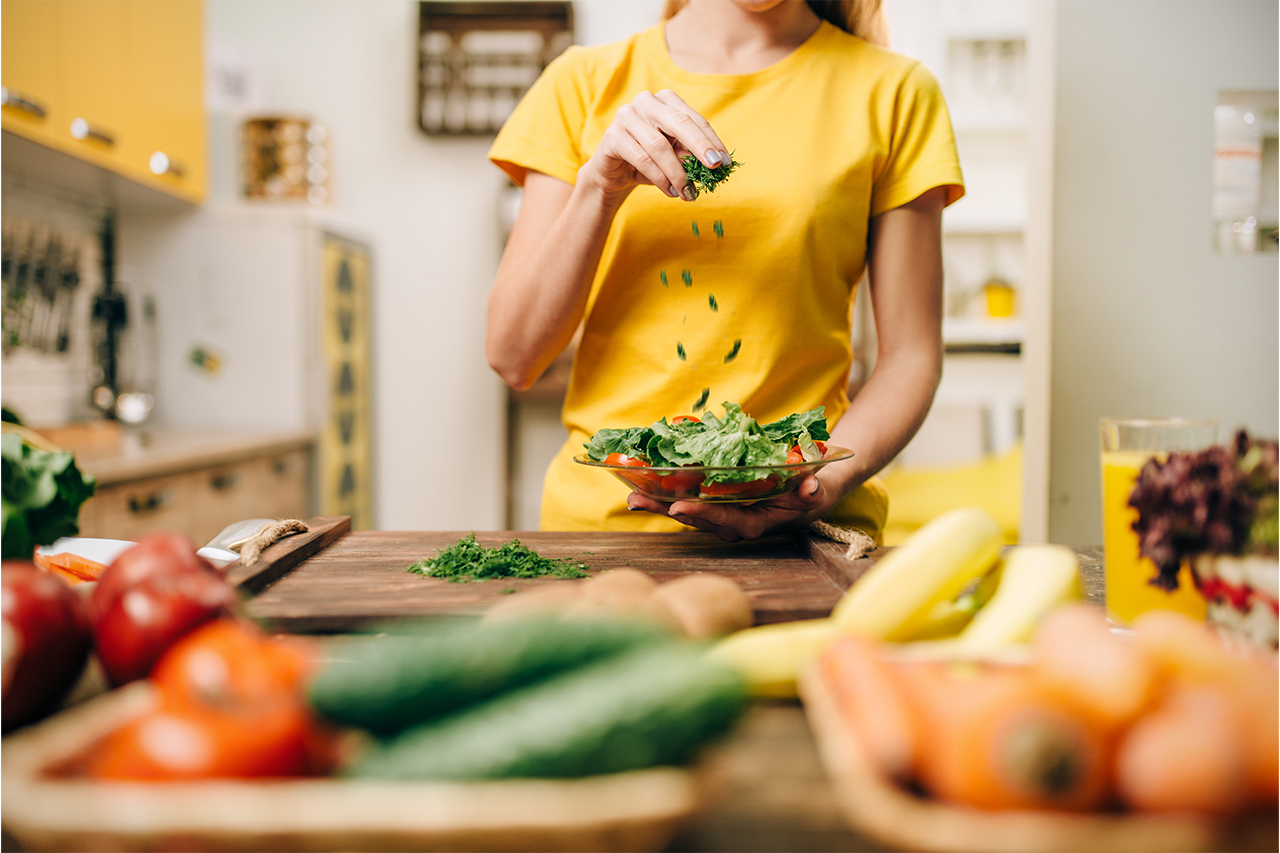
(743, 295)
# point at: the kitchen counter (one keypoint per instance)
(160, 452)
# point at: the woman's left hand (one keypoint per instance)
(733, 522)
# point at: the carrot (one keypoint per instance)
(1078, 655)
(68, 564)
(872, 703)
(996, 739)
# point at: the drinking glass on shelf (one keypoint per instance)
(1127, 444)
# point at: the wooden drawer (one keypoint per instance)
(129, 510)
(200, 503)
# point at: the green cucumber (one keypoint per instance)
(389, 682)
(645, 708)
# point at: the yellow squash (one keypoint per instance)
(893, 600)
(771, 656)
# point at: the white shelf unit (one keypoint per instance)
(991, 58)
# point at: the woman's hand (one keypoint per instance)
(734, 522)
(644, 145)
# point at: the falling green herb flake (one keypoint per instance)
(680, 351)
(718, 227)
(508, 591)
(707, 179)
(711, 298)
(696, 235)
(662, 276)
(687, 278)
(701, 402)
(733, 353)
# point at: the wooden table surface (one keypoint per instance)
(773, 793)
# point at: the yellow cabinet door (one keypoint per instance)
(93, 80)
(30, 68)
(164, 77)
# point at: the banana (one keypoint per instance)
(892, 601)
(1036, 579)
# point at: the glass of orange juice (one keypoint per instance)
(1127, 444)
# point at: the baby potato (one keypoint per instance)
(550, 600)
(706, 606)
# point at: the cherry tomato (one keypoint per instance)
(740, 490)
(140, 623)
(49, 642)
(680, 419)
(795, 455)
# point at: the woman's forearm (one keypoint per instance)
(543, 282)
(884, 416)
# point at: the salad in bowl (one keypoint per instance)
(733, 458)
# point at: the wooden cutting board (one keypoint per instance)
(335, 580)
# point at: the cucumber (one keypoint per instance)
(641, 709)
(390, 682)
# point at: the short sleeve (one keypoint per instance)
(543, 131)
(922, 146)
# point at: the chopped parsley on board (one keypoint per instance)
(467, 560)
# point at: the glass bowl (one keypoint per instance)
(688, 483)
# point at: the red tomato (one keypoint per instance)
(156, 553)
(682, 483)
(48, 646)
(680, 419)
(643, 480)
(795, 455)
(740, 490)
(140, 623)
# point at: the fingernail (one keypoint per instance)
(713, 157)
(671, 191)
(633, 508)
(690, 192)
(682, 519)
(813, 489)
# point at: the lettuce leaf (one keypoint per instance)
(734, 441)
(42, 494)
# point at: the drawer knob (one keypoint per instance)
(161, 165)
(141, 504)
(22, 103)
(82, 129)
(222, 482)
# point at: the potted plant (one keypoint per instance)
(1217, 509)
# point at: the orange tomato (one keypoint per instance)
(229, 705)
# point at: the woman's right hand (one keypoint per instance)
(644, 145)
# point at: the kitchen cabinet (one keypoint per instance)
(195, 483)
(114, 83)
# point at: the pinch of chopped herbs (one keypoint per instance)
(733, 353)
(706, 179)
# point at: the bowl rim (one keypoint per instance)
(833, 454)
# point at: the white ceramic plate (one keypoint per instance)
(106, 550)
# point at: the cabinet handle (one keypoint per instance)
(162, 165)
(282, 466)
(139, 504)
(81, 129)
(222, 482)
(10, 98)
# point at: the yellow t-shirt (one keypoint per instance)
(744, 295)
